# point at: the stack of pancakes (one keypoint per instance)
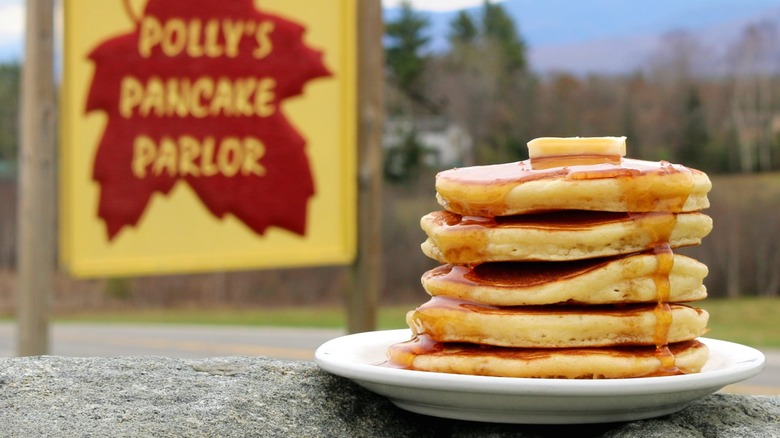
(562, 266)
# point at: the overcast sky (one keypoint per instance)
(437, 5)
(12, 20)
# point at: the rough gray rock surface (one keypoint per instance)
(255, 396)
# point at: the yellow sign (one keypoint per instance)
(201, 135)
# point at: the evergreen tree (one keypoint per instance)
(487, 66)
(498, 27)
(404, 160)
(406, 63)
(694, 136)
(9, 111)
(405, 41)
(463, 30)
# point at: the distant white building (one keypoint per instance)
(446, 144)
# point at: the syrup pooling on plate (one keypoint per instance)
(520, 397)
(402, 354)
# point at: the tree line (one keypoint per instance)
(9, 112)
(677, 107)
(719, 113)
(673, 108)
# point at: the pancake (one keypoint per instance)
(562, 266)
(556, 236)
(629, 185)
(563, 326)
(624, 279)
(573, 363)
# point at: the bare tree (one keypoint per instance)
(753, 60)
(675, 71)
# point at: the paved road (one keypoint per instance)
(185, 341)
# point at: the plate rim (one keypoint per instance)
(330, 356)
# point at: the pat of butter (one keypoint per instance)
(543, 147)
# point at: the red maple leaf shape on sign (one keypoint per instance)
(195, 93)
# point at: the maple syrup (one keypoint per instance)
(656, 215)
(402, 354)
(497, 180)
(514, 274)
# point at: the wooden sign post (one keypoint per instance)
(36, 253)
(362, 300)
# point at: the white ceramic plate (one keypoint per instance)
(523, 400)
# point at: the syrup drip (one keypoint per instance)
(473, 247)
(659, 226)
(663, 313)
(658, 220)
(402, 354)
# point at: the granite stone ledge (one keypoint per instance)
(255, 396)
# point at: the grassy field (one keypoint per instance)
(749, 321)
